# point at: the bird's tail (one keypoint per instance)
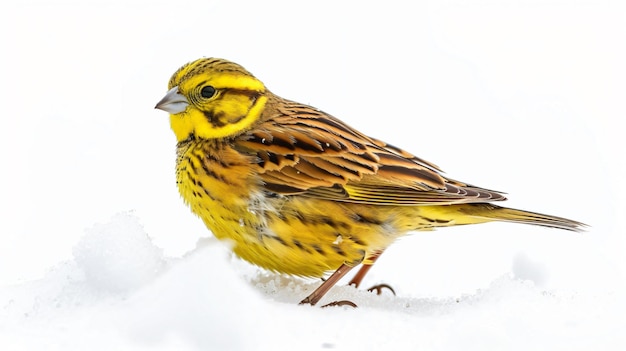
(486, 212)
(492, 212)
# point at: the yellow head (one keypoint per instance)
(212, 98)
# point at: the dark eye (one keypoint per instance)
(207, 92)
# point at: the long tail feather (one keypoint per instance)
(497, 213)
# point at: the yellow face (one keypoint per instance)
(212, 98)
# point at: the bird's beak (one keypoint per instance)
(173, 102)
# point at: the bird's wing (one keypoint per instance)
(301, 150)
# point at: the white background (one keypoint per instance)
(525, 97)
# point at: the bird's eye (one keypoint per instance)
(207, 92)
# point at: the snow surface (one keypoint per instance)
(98, 252)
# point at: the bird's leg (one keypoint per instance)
(358, 277)
(326, 285)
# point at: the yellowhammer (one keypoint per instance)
(297, 190)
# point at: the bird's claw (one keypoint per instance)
(341, 303)
(379, 289)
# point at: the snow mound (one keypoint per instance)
(121, 293)
(118, 256)
(525, 268)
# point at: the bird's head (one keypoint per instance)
(212, 98)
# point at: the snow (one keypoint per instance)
(125, 263)
(98, 252)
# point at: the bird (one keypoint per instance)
(299, 191)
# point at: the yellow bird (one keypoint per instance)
(297, 190)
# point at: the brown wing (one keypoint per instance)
(302, 150)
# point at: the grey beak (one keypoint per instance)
(173, 102)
